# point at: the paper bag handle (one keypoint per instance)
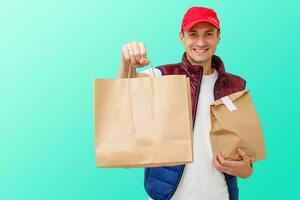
(130, 66)
(130, 100)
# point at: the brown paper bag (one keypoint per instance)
(143, 122)
(235, 124)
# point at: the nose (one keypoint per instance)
(201, 41)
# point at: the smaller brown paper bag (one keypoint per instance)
(235, 124)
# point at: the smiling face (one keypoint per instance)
(200, 43)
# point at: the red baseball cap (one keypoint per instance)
(199, 14)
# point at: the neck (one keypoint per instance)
(207, 69)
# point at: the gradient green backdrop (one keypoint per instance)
(50, 52)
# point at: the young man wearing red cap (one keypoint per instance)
(208, 177)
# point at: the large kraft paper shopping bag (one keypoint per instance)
(143, 122)
(235, 124)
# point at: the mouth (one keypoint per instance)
(200, 51)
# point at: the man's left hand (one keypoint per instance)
(241, 168)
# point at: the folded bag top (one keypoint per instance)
(232, 97)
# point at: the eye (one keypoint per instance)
(193, 34)
(209, 34)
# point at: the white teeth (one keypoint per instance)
(200, 50)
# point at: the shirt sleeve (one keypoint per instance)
(152, 72)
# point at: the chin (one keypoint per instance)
(200, 60)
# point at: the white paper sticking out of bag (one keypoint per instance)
(228, 103)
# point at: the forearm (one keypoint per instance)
(123, 72)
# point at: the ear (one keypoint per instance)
(219, 37)
(181, 36)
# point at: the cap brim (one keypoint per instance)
(190, 25)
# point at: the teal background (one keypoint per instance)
(50, 52)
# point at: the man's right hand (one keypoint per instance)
(134, 54)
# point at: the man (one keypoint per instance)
(209, 177)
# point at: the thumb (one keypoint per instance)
(144, 61)
(243, 154)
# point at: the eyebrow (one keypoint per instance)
(209, 30)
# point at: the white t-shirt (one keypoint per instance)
(200, 179)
